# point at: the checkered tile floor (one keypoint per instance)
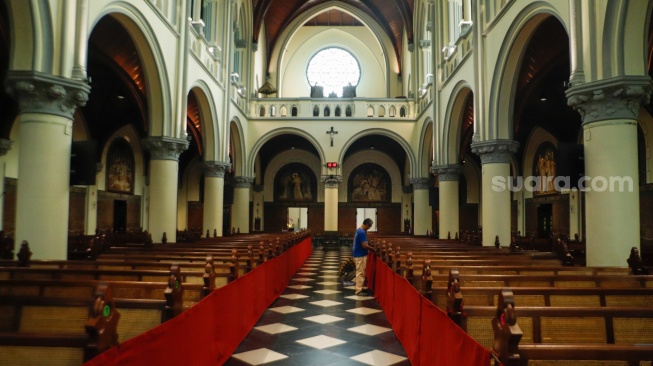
(317, 322)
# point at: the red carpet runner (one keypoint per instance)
(426, 332)
(209, 332)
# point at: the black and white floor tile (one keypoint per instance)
(319, 322)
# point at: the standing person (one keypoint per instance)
(360, 253)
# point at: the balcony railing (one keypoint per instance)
(354, 108)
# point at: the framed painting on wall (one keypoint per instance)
(544, 168)
(120, 167)
(369, 183)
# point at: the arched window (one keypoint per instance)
(402, 112)
(316, 111)
(392, 111)
(333, 68)
(338, 111)
(327, 111)
(261, 111)
(273, 111)
(348, 111)
(293, 111)
(381, 111)
(283, 111)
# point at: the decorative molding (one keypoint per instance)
(614, 98)
(407, 189)
(420, 183)
(495, 151)
(215, 169)
(243, 182)
(448, 172)
(42, 93)
(165, 148)
(5, 146)
(331, 181)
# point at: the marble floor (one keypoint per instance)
(317, 321)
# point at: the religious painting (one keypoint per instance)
(544, 169)
(120, 167)
(295, 182)
(369, 183)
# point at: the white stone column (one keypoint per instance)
(164, 178)
(448, 178)
(331, 183)
(610, 109)
(423, 212)
(495, 160)
(240, 208)
(47, 104)
(214, 196)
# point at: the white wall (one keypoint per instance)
(357, 40)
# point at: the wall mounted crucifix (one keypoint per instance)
(332, 132)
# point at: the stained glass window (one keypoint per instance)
(333, 68)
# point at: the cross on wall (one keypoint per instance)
(332, 132)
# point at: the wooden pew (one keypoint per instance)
(531, 336)
(70, 333)
(555, 296)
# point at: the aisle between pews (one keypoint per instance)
(318, 321)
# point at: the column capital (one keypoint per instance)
(243, 182)
(420, 183)
(495, 151)
(449, 172)
(42, 93)
(215, 168)
(165, 148)
(5, 146)
(613, 98)
(331, 181)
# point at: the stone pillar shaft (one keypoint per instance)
(448, 178)
(423, 214)
(240, 208)
(214, 196)
(47, 104)
(610, 109)
(331, 184)
(495, 158)
(164, 177)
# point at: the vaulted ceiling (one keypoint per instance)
(394, 16)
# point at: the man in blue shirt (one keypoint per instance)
(360, 253)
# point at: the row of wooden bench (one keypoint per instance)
(45, 308)
(554, 306)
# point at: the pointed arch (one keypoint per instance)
(504, 80)
(147, 43)
(426, 146)
(208, 120)
(237, 145)
(392, 62)
(627, 24)
(453, 120)
(410, 154)
(282, 131)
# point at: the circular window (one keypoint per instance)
(333, 68)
